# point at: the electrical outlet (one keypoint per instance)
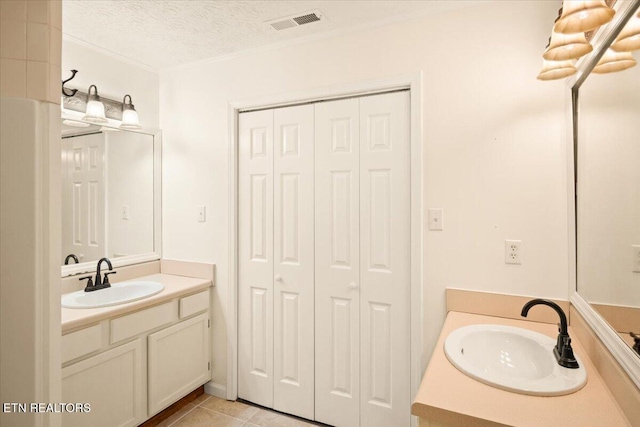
(636, 258)
(513, 251)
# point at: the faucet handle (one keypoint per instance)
(105, 281)
(89, 283)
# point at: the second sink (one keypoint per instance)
(513, 359)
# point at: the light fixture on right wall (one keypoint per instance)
(579, 16)
(629, 38)
(554, 70)
(613, 61)
(567, 46)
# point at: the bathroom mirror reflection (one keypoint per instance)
(108, 187)
(608, 197)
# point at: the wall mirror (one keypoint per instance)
(607, 163)
(110, 195)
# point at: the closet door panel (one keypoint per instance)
(337, 300)
(293, 303)
(385, 259)
(255, 257)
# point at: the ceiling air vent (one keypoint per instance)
(295, 20)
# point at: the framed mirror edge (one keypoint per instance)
(621, 352)
(84, 267)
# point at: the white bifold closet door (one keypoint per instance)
(324, 260)
(362, 281)
(276, 259)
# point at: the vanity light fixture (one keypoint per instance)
(629, 38)
(613, 61)
(567, 46)
(554, 70)
(579, 16)
(95, 107)
(129, 114)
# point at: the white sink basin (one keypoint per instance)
(512, 359)
(118, 293)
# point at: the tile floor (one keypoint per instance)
(210, 411)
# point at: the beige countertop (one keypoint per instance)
(448, 396)
(174, 286)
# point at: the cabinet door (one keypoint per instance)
(112, 383)
(178, 361)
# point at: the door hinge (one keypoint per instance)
(208, 323)
(208, 366)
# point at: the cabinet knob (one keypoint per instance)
(353, 285)
(278, 278)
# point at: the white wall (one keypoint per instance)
(114, 78)
(609, 187)
(494, 153)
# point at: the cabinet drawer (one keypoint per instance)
(194, 304)
(84, 341)
(133, 324)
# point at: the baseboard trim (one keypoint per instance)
(215, 389)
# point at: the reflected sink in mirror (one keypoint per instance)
(118, 293)
(512, 359)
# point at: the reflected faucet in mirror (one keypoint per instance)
(562, 351)
(71, 257)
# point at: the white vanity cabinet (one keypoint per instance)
(178, 358)
(131, 367)
(111, 382)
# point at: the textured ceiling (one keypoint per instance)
(167, 33)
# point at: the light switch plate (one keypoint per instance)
(436, 219)
(125, 212)
(636, 258)
(202, 213)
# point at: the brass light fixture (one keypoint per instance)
(613, 61)
(629, 38)
(554, 70)
(567, 46)
(579, 16)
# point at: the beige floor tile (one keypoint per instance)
(201, 399)
(177, 415)
(233, 409)
(201, 417)
(272, 419)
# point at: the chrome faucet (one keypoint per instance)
(100, 283)
(562, 351)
